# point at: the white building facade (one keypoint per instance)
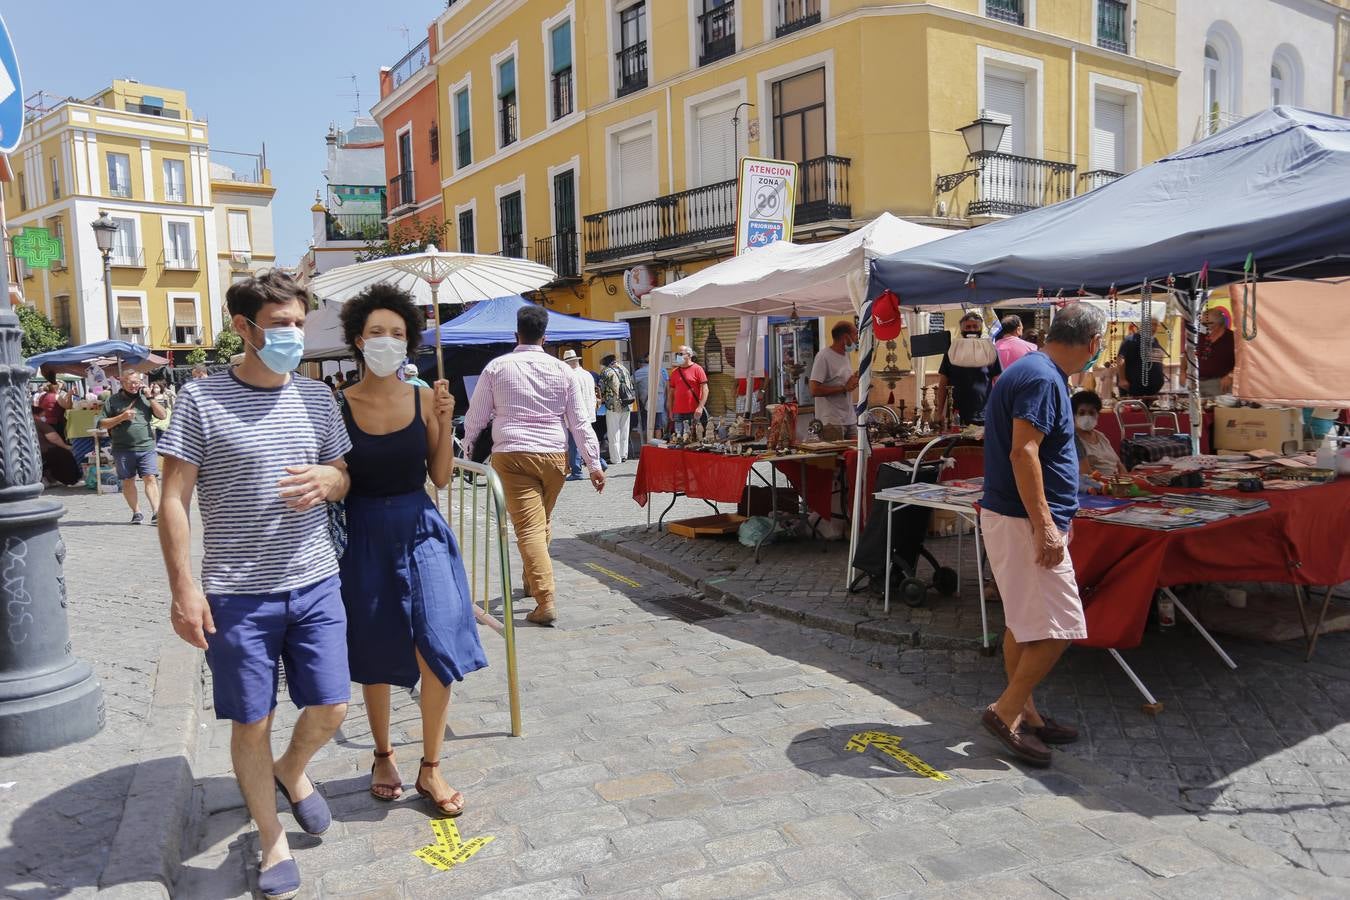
(1238, 57)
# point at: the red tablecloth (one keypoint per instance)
(722, 479)
(1108, 426)
(1301, 539)
(969, 464)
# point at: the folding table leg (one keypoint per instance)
(1151, 705)
(1310, 636)
(886, 590)
(1200, 628)
(979, 578)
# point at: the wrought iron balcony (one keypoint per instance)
(128, 257)
(1090, 181)
(463, 148)
(709, 213)
(355, 227)
(717, 33)
(414, 61)
(1014, 184)
(1113, 25)
(559, 253)
(1006, 11)
(794, 15)
(180, 262)
(401, 191)
(507, 114)
(563, 101)
(119, 189)
(513, 245)
(632, 71)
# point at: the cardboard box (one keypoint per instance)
(1257, 429)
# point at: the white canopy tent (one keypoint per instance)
(323, 334)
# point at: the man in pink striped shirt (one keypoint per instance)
(532, 402)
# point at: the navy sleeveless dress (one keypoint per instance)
(403, 580)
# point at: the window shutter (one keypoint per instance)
(239, 231)
(1108, 134)
(506, 78)
(562, 47)
(184, 314)
(1007, 98)
(129, 313)
(637, 170)
(716, 137)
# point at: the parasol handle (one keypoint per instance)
(436, 329)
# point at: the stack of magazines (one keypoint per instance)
(1233, 506)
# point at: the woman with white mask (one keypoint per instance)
(409, 612)
(1095, 453)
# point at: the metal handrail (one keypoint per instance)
(471, 482)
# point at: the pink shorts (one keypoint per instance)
(1038, 603)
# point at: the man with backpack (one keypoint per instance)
(618, 393)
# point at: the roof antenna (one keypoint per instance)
(355, 94)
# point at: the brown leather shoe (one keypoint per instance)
(1022, 744)
(1053, 732)
(542, 614)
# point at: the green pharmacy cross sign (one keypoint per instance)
(37, 247)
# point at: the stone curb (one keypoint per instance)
(147, 849)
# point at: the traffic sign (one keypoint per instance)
(11, 94)
(765, 202)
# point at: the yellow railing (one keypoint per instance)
(476, 509)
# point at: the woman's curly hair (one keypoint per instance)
(357, 310)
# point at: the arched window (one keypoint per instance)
(1286, 77)
(1213, 103)
(1278, 92)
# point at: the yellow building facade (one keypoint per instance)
(136, 152)
(596, 135)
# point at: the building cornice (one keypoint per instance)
(226, 186)
(473, 29)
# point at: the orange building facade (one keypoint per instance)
(407, 113)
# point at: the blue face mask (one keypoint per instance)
(1092, 363)
(282, 348)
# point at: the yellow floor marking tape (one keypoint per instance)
(612, 574)
(889, 744)
(449, 850)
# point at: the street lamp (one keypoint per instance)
(105, 230)
(982, 137)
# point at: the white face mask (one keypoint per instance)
(1086, 422)
(384, 355)
(679, 359)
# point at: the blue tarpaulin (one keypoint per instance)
(494, 321)
(70, 356)
(1275, 186)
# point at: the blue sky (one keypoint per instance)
(258, 72)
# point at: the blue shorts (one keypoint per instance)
(131, 463)
(305, 628)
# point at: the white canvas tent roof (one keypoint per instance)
(828, 278)
(323, 334)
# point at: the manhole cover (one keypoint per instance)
(687, 609)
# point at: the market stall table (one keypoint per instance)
(1108, 426)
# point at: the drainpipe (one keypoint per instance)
(670, 147)
(1073, 116)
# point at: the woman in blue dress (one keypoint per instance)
(409, 612)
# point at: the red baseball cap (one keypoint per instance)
(886, 321)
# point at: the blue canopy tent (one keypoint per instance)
(74, 360)
(494, 322)
(1273, 190)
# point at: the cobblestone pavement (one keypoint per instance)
(1264, 748)
(711, 758)
(59, 810)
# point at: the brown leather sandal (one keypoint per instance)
(452, 806)
(395, 789)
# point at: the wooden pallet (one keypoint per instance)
(706, 526)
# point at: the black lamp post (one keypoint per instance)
(48, 697)
(982, 137)
(105, 230)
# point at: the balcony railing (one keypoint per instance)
(1213, 122)
(794, 15)
(709, 213)
(401, 190)
(355, 227)
(181, 263)
(513, 245)
(463, 149)
(559, 253)
(189, 335)
(1090, 181)
(128, 257)
(1113, 25)
(1013, 184)
(119, 189)
(1005, 10)
(563, 101)
(414, 61)
(632, 72)
(506, 113)
(717, 31)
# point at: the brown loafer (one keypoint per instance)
(1053, 732)
(542, 615)
(1022, 744)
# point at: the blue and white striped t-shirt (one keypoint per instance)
(241, 439)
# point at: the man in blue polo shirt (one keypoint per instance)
(1030, 497)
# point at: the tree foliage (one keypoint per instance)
(39, 334)
(407, 237)
(195, 357)
(228, 344)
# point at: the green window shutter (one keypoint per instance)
(506, 78)
(562, 47)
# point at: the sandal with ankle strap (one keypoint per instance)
(392, 787)
(448, 807)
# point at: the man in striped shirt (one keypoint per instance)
(533, 403)
(263, 450)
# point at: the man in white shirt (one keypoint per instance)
(833, 382)
(586, 388)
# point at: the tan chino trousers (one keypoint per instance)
(532, 482)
